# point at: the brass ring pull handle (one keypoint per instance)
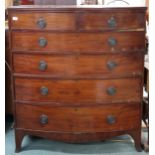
(42, 65)
(42, 42)
(111, 65)
(112, 22)
(111, 91)
(41, 23)
(112, 41)
(43, 119)
(44, 91)
(111, 119)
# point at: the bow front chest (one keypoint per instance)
(77, 72)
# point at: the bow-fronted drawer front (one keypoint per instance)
(72, 43)
(78, 119)
(79, 66)
(78, 91)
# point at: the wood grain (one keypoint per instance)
(99, 21)
(85, 119)
(83, 91)
(78, 42)
(78, 66)
(54, 21)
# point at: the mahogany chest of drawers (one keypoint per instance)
(77, 72)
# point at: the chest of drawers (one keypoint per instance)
(77, 72)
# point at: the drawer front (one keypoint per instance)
(73, 66)
(80, 119)
(43, 21)
(112, 20)
(78, 42)
(78, 91)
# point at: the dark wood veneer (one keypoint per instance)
(126, 21)
(83, 91)
(58, 21)
(85, 120)
(72, 66)
(77, 74)
(78, 42)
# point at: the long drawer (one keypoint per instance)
(78, 91)
(74, 66)
(43, 21)
(78, 119)
(78, 42)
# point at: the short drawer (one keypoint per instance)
(43, 21)
(78, 119)
(78, 42)
(75, 66)
(80, 91)
(112, 20)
